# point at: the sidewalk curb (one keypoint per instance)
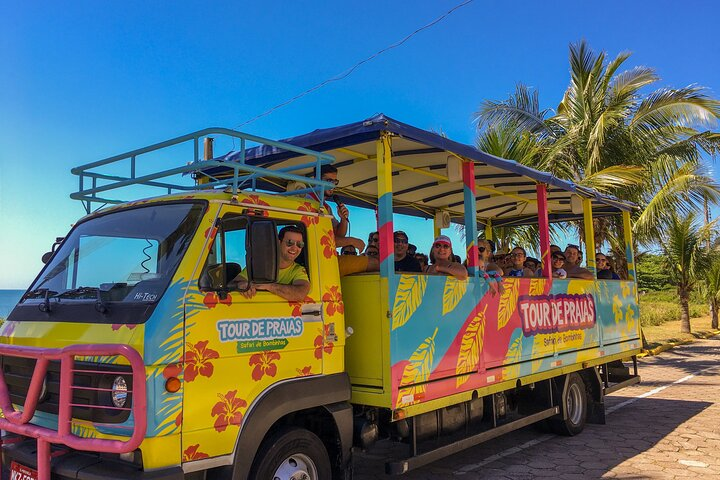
(670, 345)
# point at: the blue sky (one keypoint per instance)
(85, 80)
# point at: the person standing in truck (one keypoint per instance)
(403, 261)
(329, 173)
(292, 282)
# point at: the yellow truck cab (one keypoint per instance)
(138, 351)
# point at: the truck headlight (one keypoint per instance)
(119, 392)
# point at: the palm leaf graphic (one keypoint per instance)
(452, 293)
(417, 371)
(408, 298)
(513, 356)
(537, 286)
(508, 302)
(470, 348)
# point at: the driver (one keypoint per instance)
(292, 283)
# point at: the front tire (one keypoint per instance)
(573, 407)
(292, 454)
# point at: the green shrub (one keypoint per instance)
(657, 313)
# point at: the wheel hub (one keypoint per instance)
(296, 467)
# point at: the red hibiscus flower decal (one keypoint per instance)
(191, 453)
(333, 301)
(308, 219)
(320, 344)
(228, 410)
(255, 200)
(172, 370)
(297, 306)
(328, 241)
(197, 360)
(179, 418)
(212, 299)
(264, 364)
(304, 372)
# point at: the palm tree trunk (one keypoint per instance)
(684, 312)
(714, 316)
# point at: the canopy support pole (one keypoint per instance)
(544, 226)
(589, 235)
(468, 174)
(488, 229)
(629, 253)
(385, 211)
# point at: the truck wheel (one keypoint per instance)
(292, 454)
(573, 407)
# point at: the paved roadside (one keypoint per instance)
(668, 427)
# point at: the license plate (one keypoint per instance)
(21, 472)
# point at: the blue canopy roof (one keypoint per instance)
(505, 188)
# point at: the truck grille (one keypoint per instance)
(91, 381)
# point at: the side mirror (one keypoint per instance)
(262, 251)
(48, 255)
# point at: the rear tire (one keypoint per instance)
(573, 407)
(292, 454)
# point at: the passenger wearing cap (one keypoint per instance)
(441, 258)
(403, 261)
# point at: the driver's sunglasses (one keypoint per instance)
(290, 243)
(441, 245)
(334, 181)
(481, 249)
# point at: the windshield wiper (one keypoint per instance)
(46, 293)
(100, 305)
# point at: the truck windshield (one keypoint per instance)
(123, 257)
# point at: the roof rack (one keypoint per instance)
(242, 174)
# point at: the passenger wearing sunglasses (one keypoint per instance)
(486, 248)
(558, 262)
(604, 269)
(403, 261)
(441, 260)
(292, 283)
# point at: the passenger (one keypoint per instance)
(517, 256)
(604, 269)
(555, 249)
(558, 262)
(374, 239)
(486, 248)
(403, 261)
(348, 250)
(412, 249)
(573, 256)
(292, 283)
(532, 264)
(372, 251)
(328, 173)
(422, 260)
(441, 258)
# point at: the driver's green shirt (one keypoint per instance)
(286, 276)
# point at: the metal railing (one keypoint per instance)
(241, 172)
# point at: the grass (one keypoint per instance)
(669, 332)
(657, 308)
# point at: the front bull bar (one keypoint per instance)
(17, 421)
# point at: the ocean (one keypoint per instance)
(8, 300)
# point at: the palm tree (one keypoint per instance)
(710, 290)
(685, 259)
(608, 136)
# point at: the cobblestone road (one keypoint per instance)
(668, 427)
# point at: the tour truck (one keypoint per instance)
(133, 354)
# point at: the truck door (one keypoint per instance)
(238, 347)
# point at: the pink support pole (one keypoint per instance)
(43, 459)
(544, 226)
